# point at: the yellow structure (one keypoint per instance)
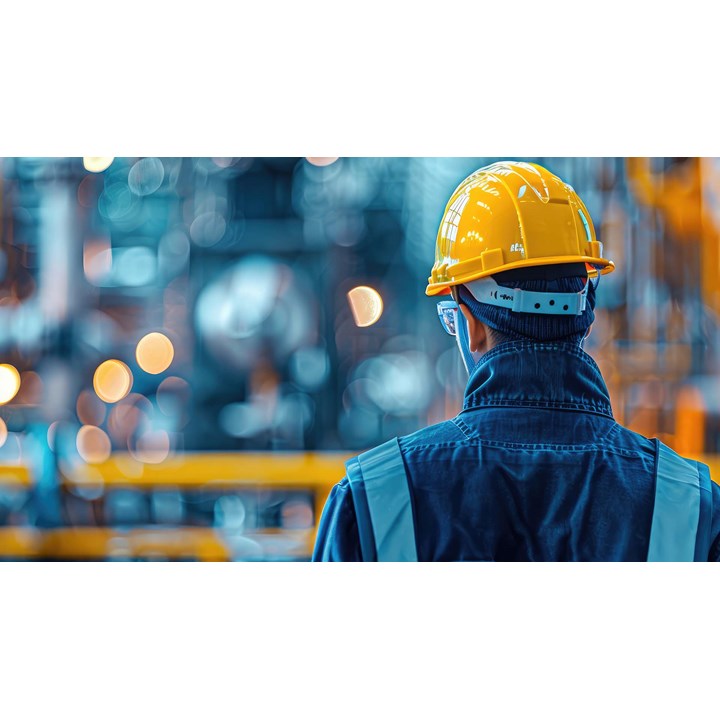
(267, 472)
(687, 196)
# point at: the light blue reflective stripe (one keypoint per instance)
(677, 509)
(585, 223)
(486, 290)
(388, 496)
(362, 512)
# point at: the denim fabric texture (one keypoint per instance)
(534, 468)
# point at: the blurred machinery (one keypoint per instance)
(218, 506)
(164, 320)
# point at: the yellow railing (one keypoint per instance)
(313, 472)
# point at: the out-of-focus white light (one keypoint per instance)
(172, 393)
(297, 515)
(134, 266)
(397, 383)
(90, 410)
(97, 164)
(366, 305)
(117, 202)
(242, 420)
(97, 260)
(207, 229)
(309, 367)
(224, 162)
(321, 161)
(152, 447)
(123, 420)
(146, 176)
(9, 383)
(93, 444)
(229, 512)
(52, 434)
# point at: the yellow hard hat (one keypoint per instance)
(512, 215)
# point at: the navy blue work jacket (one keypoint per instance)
(533, 468)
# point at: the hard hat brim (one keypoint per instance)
(443, 288)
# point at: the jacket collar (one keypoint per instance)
(530, 374)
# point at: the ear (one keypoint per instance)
(476, 331)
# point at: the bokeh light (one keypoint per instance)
(52, 434)
(9, 383)
(31, 389)
(321, 161)
(154, 353)
(146, 176)
(297, 515)
(123, 420)
(151, 447)
(207, 229)
(93, 444)
(172, 397)
(263, 303)
(117, 202)
(131, 413)
(366, 305)
(3, 432)
(309, 367)
(97, 260)
(229, 513)
(97, 164)
(89, 408)
(112, 380)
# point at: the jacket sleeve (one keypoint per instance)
(338, 539)
(715, 527)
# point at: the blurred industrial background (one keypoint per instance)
(191, 347)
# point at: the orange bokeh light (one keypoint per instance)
(112, 381)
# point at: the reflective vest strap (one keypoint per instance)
(379, 476)
(704, 533)
(362, 511)
(680, 523)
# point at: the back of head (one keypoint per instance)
(508, 325)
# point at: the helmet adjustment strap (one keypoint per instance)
(486, 290)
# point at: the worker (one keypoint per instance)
(534, 467)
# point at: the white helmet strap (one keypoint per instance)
(486, 290)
